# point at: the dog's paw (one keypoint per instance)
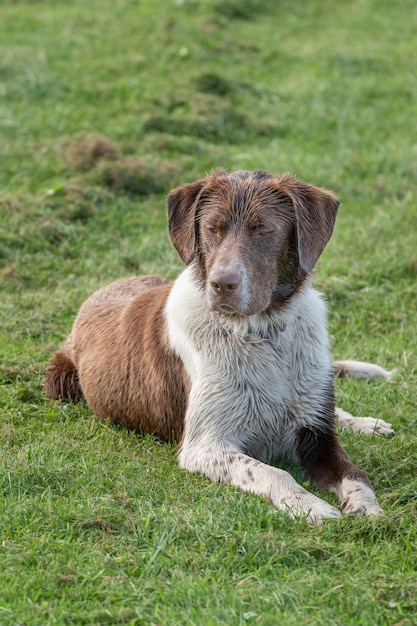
(372, 426)
(357, 498)
(364, 425)
(304, 504)
(362, 509)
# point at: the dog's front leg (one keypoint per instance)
(327, 464)
(223, 463)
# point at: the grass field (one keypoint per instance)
(105, 106)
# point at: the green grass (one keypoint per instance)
(104, 107)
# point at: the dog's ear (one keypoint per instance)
(315, 213)
(182, 203)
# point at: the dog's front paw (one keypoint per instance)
(304, 504)
(359, 499)
(362, 509)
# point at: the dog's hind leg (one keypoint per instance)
(61, 380)
(363, 425)
(365, 371)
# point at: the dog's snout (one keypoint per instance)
(224, 280)
(226, 287)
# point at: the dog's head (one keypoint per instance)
(253, 237)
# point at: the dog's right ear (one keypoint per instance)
(182, 204)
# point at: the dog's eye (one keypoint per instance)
(215, 229)
(260, 229)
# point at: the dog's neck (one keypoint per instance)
(284, 293)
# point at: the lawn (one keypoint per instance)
(104, 107)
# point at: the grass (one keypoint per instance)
(104, 107)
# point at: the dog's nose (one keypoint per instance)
(224, 281)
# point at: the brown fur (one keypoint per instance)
(188, 371)
(62, 381)
(119, 348)
(200, 213)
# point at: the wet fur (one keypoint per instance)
(231, 360)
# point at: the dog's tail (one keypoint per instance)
(61, 380)
(361, 369)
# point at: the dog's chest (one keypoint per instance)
(255, 392)
(262, 373)
(256, 380)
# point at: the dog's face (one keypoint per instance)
(254, 237)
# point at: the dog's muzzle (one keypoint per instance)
(227, 288)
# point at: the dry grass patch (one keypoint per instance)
(86, 152)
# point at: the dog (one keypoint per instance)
(231, 360)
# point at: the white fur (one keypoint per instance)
(363, 425)
(364, 370)
(250, 364)
(251, 389)
(357, 498)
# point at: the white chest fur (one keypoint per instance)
(254, 380)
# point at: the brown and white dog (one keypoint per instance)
(232, 359)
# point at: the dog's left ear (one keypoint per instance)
(315, 213)
(182, 203)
